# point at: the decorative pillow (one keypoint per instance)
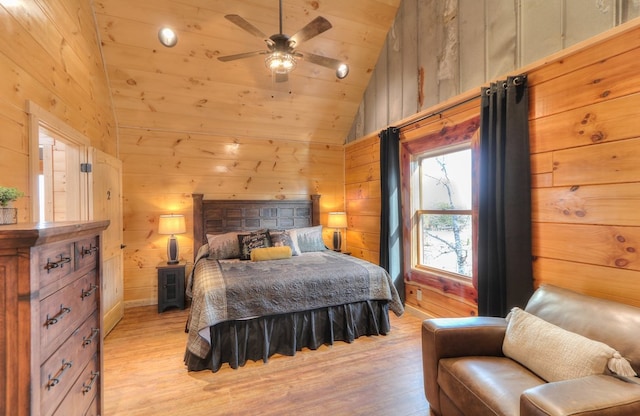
(310, 239)
(289, 238)
(223, 246)
(556, 354)
(248, 242)
(271, 253)
(203, 251)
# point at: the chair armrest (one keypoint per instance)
(456, 337)
(600, 394)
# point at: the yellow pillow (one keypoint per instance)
(270, 253)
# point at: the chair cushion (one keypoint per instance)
(485, 385)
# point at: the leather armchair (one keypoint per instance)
(466, 373)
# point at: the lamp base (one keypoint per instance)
(337, 240)
(172, 250)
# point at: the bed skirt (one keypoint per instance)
(235, 342)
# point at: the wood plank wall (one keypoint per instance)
(49, 54)
(161, 169)
(585, 103)
(362, 193)
(586, 168)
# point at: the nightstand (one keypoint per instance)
(170, 285)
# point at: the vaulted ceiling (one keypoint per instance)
(187, 89)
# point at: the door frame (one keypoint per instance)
(40, 119)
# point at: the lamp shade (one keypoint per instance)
(171, 224)
(337, 220)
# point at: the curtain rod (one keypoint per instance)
(517, 79)
(435, 113)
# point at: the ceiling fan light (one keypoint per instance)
(280, 62)
(342, 71)
(167, 37)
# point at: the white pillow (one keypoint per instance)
(556, 354)
(310, 239)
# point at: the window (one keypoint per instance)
(444, 214)
(440, 204)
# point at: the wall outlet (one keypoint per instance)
(419, 294)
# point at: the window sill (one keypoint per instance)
(457, 286)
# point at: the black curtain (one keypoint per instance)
(391, 214)
(505, 277)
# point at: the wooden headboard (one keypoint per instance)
(221, 216)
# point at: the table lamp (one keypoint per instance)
(172, 224)
(337, 220)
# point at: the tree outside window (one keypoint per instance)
(445, 241)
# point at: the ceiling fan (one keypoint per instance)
(281, 49)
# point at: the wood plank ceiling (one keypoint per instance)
(187, 89)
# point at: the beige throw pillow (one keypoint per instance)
(556, 354)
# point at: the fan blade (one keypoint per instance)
(281, 77)
(320, 60)
(241, 56)
(312, 29)
(243, 24)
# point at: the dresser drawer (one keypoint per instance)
(83, 395)
(86, 253)
(63, 311)
(93, 409)
(60, 371)
(54, 263)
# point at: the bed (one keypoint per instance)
(290, 292)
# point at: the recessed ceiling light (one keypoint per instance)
(167, 37)
(342, 71)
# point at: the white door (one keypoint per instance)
(107, 204)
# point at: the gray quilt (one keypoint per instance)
(232, 290)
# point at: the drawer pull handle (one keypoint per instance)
(86, 388)
(89, 292)
(54, 381)
(88, 251)
(54, 320)
(88, 340)
(55, 264)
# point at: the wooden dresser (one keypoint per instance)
(51, 319)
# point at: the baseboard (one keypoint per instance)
(142, 302)
(112, 317)
(416, 312)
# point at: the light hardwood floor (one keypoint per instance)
(145, 374)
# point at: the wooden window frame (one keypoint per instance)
(462, 134)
